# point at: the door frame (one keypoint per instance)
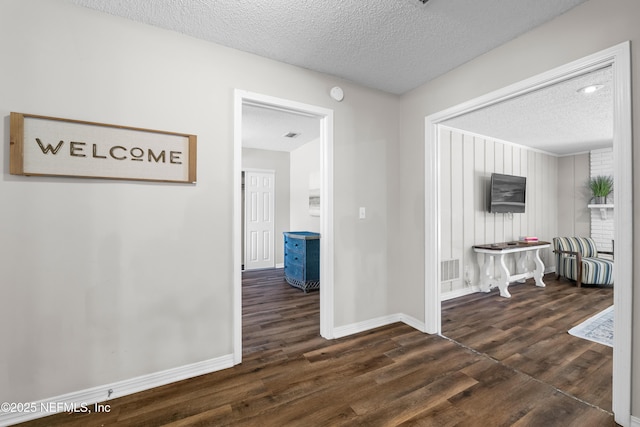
(325, 116)
(619, 57)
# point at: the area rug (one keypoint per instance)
(598, 328)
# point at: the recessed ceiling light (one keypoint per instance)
(590, 89)
(291, 134)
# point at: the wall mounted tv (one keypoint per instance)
(507, 193)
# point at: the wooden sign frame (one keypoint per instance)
(51, 146)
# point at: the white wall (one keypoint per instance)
(573, 196)
(129, 278)
(305, 175)
(104, 280)
(466, 164)
(588, 28)
(277, 161)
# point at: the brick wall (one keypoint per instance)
(602, 230)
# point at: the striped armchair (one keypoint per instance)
(577, 259)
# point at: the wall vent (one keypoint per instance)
(449, 270)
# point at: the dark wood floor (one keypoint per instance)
(528, 332)
(389, 376)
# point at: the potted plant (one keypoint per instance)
(601, 186)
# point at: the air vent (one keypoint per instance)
(449, 270)
(291, 135)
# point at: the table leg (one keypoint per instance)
(539, 272)
(522, 265)
(485, 272)
(503, 284)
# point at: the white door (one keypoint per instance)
(259, 196)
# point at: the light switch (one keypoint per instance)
(363, 213)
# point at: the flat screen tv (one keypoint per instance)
(507, 193)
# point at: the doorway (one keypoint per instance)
(619, 58)
(325, 118)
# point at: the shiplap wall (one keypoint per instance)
(466, 164)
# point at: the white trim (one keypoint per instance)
(89, 397)
(412, 321)
(579, 153)
(259, 170)
(325, 116)
(619, 57)
(356, 328)
(601, 150)
(237, 227)
(326, 226)
(432, 308)
(623, 217)
(635, 422)
(459, 293)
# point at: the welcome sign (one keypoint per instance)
(60, 147)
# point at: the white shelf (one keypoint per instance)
(603, 208)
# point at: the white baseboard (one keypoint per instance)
(413, 322)
(635, 421)
(459, 293)
(280, 265)
(82, 400)
(354, 328)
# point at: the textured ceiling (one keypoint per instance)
(391, 45)
(557, 119)
(264, 128)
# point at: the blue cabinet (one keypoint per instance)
(302, 259)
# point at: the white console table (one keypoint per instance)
(500, 250)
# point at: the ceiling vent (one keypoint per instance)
(291, 135)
